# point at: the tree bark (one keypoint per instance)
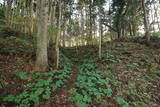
(156, 15)
(59, 33)
(146, 23)
(41, 52)
(119, 31)
(8, 11)
(90, 22)
(64, 32)
(100, 36)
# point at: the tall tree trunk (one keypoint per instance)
(100, 35)
(156, 15)
(53, 20)
(64, 32)
(153, 20)
(119, 27)
(59, 33)
(134, 28)
(101, 32)
(32, 15)
(82, 23)
(8, 11)
(87, 26)
(41, 53)
(146, 23)
(90, 22)
(119, 31)
(130, 29)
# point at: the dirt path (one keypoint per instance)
(61, 96)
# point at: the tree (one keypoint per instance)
(8, 10)
(41, 53)
(59, 33)
(100, 15)
(146, 22)
(100, 34)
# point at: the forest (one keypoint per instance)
(79, 53)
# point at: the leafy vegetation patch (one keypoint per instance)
(21, 75)
(132, 69)
(90, 86)
(14, 44)
(42, 86)
(122, 102)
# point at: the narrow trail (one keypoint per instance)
(61, 96)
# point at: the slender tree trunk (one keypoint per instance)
(5, 8)
(130, 29)
(146, 23)
(90, 22)
(87, 26)
(100, 36)
(64, 32)
(41, 53)
(8, 11)
(59, 33)
(134, 29)
(153, 20)
(33, 10)
(82, 23)
(119, 27)
(53, 20)
(156, 15)
(119, 31)
(101, 32)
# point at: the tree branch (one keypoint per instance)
(109, 27)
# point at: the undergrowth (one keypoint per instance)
(90, 86)
(13, 44)
(43, 85)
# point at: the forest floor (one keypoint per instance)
(127, 75)
(134, 70)
(60, 98)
